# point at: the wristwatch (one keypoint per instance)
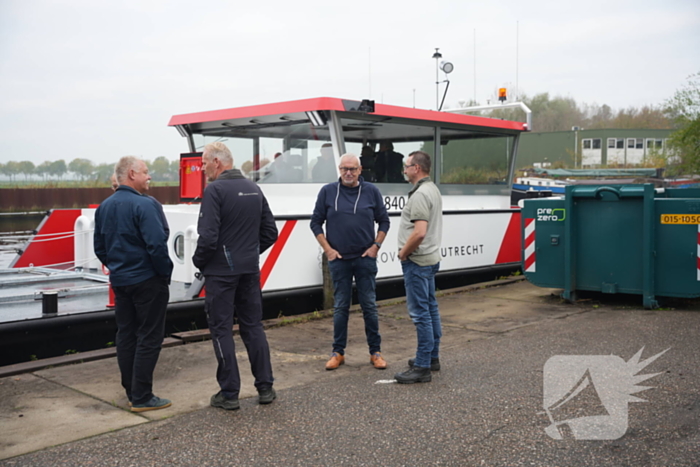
(379, 245)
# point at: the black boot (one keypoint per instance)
(434, 363)
(414, 375)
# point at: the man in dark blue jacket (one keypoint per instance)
(130, 239)
(350, 207)
(235, 226)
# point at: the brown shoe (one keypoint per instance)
(377, 360)
(335, 361)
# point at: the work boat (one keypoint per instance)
(284, 146)
(291, 149)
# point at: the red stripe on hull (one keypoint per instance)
(56, 245)
(510, 246)
(276, 251)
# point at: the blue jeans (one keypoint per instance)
(423, 309)
(365, 272)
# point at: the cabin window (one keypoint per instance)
(611, 143)
(179, 246)
(597, 143)
(620, 143)
(586, 144)
(284, 153)
(639, 143)
(471, 158)
(630, 143)
(384, 146)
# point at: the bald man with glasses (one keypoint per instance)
(350, 208)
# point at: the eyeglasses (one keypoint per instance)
(405, 166)
(349, 169)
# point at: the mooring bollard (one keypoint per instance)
(327, 284)
(49, 302)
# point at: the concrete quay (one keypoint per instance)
(483, 408)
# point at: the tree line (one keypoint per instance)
(563, 113)
(161, 169)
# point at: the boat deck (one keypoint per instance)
(22, 290)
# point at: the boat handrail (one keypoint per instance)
(519, 105)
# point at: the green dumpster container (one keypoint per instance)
(615, 239)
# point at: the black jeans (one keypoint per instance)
(239, 295)
(140, 315)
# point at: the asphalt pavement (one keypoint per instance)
(516, 360)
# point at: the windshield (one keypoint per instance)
(384, 146)
(292, 149)
(298, 154)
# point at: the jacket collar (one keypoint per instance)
(417, 185)
(128, 188)
(230, 174)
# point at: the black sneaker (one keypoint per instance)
(434, 363)
(414, 375)
(266, 396)
(218, 400)
(154, 404)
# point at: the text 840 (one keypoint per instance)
(394, 202)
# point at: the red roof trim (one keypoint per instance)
(331, 103)
(446, 117)
(279, 108)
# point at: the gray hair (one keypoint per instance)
(350, 155)
(122, 168)
(220, 151)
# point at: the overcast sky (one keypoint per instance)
(99, 80)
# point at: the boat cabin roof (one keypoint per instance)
(358, 124)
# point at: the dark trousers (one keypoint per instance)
(239, 295)
(140, 315)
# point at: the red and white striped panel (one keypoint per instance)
(530, 245)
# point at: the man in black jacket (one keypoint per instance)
(235, 226)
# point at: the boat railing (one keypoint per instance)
(512, 105)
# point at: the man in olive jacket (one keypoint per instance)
(235, 226)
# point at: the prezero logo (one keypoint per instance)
(586, 396)
(549, 214)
